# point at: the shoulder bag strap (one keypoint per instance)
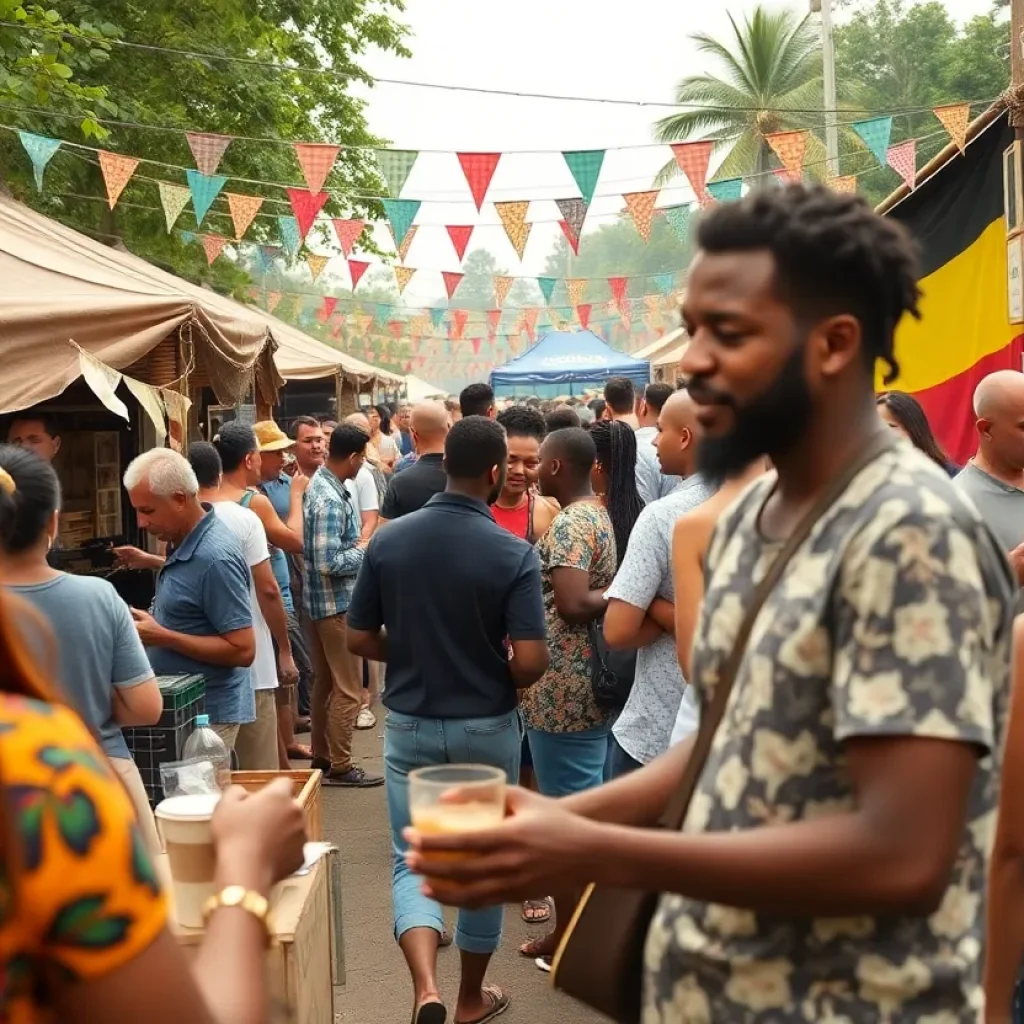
(711, 714)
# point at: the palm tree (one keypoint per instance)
(769, 80)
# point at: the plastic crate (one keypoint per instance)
(184, 698)
(152, 746)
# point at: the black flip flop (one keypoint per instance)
(430, 1013)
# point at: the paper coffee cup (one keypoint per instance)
(184, 823)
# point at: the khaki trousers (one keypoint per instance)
(128, 772)
(256, 745)
(228, 733)
(337, 693)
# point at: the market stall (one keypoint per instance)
(419, 390)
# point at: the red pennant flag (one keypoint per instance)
(460, 235)
(357, 268)
(493, 319)
(305, 206)
(693, 159)
(327, 308)
(316, 160)
(459, 318)
(570, 237)
(475, 342)
(395, 327)
(479, 169)
(451, 281)
(618, 287)
(530, 321)
(348, 232)
(583, 312)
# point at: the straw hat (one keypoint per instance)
(270, 437)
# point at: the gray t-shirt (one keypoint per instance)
(650, 481)
(644, 728)
(1001, 506)
(98, 645)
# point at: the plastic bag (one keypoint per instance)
(181, 778)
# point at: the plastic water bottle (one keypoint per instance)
(206, 745)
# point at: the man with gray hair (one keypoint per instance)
(202, 620)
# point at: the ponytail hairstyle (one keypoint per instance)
(29, 496)
(616, 455)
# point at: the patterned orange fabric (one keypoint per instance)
(78, 894)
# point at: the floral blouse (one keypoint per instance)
(580, 537)
(78, 894)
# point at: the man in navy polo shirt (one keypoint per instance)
(456, 655)
(202, 619)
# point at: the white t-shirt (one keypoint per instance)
(363, 491)
(252, 537)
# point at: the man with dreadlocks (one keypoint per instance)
(833, 861)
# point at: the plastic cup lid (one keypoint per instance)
(188, 807)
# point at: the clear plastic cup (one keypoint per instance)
(451, 799)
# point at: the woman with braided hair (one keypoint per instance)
(614, 478)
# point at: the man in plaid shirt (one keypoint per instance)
(333, 553)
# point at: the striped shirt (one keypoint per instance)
(330, 533)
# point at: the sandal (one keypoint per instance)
(300, 752)
(538, 911)
(498, 1002)
(540, 946)
(430, 1013)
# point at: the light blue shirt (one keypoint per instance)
(279, 494)
(650, 481)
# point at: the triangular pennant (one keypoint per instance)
(726, 190)
(955, 118)
(502, 286)
(348, 232)
(529, 320)
(664, 282)
(493, 320)
(316, 264)
(618, 286)
(305, 206)
(40, 149)
(875, 133)
(207, 150)
(400, 214)
(327, 308)
(451, 281)
(547, 287)
(188, 237)
(678, 218)
(577, 289)
(475, 342)
(902, 158)
(479, 169)
(437, 316)
(205, 188)
(460, 235)
(574, 212)
(403, 275)
(693, 159)
(214, 246)
(174, 199)
(583, 314)
(785, 176)
(572, 239)
(316, 159)
(403, 246)
(641, 208)
(243, 210)
(585, 167)
(357, 268)
(653, 304)
(513, 219)
(288, 228)
(846, 183)
(395, 327)
(273, 299)
(459, 319)
(265, 256)
(790, 148)
(117, 171)
(395, 166)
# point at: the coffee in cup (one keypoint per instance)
(184, 823)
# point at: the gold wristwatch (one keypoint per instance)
(247, 899)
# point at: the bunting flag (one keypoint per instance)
(214, 246)
(529, 321)
(846, 183)
(572, 239)
(618, 286)
(403, 246)
(306, 206)
(395, 166)
(316, 160)
(40, 149)
(316, 264)
(902, 158)
(452, 281)
(348, 232)
(574, 211)
(786, 176)
(243, 210)
(437, 316)
(459, 319)
(327, 308)
(502, 286)
(693, 159)
(726, 190)
(576, 287)
(475, 342)
(207, 150)
(356, 269)
(478, 168)
(265, 256)
(641, 208)
(493, 320)
(174, 199)
(460, 235)
(583, 313)
(875, 134)
(955, 118)
(653, 304)
(664, 282)
(273, 298)
(790, 148)
(204, 188)
(678, 218)
(403, 275)
(188, 237)
(117, 171)
(400, 214)
(585, 167)
(547, 287)
(513, 219)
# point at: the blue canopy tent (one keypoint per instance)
(566, 363)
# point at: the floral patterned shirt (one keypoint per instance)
(579, 537)
(893, 620)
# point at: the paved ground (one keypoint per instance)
(378, 989)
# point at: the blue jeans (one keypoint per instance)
(568, 762)
(619, 762)
(411, 742)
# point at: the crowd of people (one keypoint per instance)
(851, 850)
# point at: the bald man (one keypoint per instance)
(641, 610)
(994, 478)
(415, 486)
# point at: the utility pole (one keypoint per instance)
(1017, 64)
(828, 68)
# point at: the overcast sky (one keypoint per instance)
(636, 50)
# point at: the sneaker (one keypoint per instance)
(354, 778)
(366, 719)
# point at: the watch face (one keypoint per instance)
(232, 895)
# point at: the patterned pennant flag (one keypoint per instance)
(572, 239)
(437, 316)
(875, 133)
(348, 232)
(847, 183)
(265, 256)
(207, 150)
(478, 168)
(305, 206)
(790, 148)
(188, 237)
(502, 286)
(618, 286)
(641, 208)
(288, 228)
(513, 219)
(214, 246)
(327, 308)
(403, 248)
(529, 319)
(547, 287)
(574, 211)
(243, 210)
(653, 304)
(786, 176)
(205, 188)
(316, 159)
(316, 264)
(395, 327)
(174, 199)
(693, 159)
(583, 314)
(356, 269)
(493, 320)
(40, 149)
(726, 190)
(678, 218)
(459, 319)
(902, 158)
(577, 289)
(664, 282)
(585, 167)
(403, 275)
(451, 281)
(460, 235)
(395, 166)
(400, 214)
(273, 299)
(955, 118)
(117, 171)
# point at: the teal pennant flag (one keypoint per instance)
(40, 149)
(875, 133)
(205, 188)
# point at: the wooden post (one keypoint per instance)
(1017, 65)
